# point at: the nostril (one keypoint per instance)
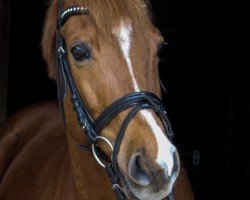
(137, 171)
(176, 167)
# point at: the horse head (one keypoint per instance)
(111, 50)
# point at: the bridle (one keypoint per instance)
(136, 101)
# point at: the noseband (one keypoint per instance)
(135, 101)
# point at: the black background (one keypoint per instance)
(205, 67)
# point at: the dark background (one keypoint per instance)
(205, 67)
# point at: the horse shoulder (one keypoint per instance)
(34, 161)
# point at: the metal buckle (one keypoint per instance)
(94, 152)
(117, 186)
(85, 124)
(61, 50)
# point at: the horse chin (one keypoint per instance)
(134, 192)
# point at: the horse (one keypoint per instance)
(112, 138)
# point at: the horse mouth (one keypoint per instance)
(134, 192)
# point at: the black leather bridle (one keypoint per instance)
(135, 101)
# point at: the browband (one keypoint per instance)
(74, 10)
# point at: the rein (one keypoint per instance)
(135, 101)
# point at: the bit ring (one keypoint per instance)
(94, 151)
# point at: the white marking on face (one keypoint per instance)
(124, 37)
(165, 148)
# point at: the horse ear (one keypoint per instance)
(49, 39)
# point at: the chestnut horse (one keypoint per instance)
(110, 49)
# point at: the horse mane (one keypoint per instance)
(106, 14)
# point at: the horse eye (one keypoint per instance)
(161, 49)
(80, 52)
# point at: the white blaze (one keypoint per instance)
(124, 37)
(165, 148)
